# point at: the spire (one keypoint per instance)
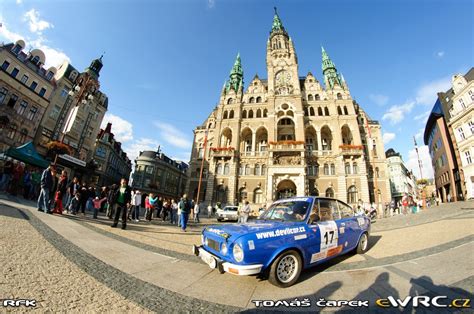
(95, 67)
(331, 77)
(277, 24)
(236, 81)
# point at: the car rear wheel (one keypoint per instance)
(286, 269)
(363, 244)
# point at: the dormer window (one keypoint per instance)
(16, 49)
(49, 76)
(73, 76)
(35, 60)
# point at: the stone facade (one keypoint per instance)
(111, 161)
(157, 173)
(288, 135)
(25, 91)
(462, 123)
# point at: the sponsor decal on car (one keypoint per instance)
(279, 233)
(219, 232)
(251, 245)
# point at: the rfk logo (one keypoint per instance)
(18, 303)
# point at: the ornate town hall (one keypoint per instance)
(288, 135)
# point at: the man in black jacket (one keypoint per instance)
(122, 197)
(46, 187)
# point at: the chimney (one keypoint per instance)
(108, 129)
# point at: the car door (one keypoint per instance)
(349, 229)
(326, 242)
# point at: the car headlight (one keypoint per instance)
(238, 253)
(224, 249)
(205, 242)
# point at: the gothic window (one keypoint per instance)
(348, 168)
(326, 169)
(329, 192)
(352, 195)
(345, 111)
(244, 114)
(259, 99)
(225, 115)
(339, 96)
(231, 114)
(320, 111)
(230, 101)
(226, 168)
(251, 100)
(317, 97)
(310, 97)
(326, 111)
(311, 111)
(250, 114)
(265, 113)
(259, 113)
(339, 111)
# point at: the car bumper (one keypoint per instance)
(215, 262)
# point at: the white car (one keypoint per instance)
(228, 213)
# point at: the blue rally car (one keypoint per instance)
(292, 234)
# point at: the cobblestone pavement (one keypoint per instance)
(33, 269)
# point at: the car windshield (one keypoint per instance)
(286, 211)
(230, 209)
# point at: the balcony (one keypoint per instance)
(281, 146)
(318, 153)
(223, 152)
(347, 149)
(254, 154)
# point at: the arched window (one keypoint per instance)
(317, 97)
(244, 114)
(348, 168)
(259, 113)
(35, 59)
(251, 100)
(355, 169)
(326, 169)
(257, 171)
(310, 97)
(329, 192)
(306, 112)
(219, 168)
(326, 111)
(352, 195)
(241, 169)
(230, 101)
(339, 96)
(311, 111)
(226, 168)
(259, 99)
(339, 111)
(333, 169)
(225, 115)
(265, 113)
(345, 111)
(264, 169)
(320, 111)
(250, 114)
(248, 170)
(258, 196)
(231, 114)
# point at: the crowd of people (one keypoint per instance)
(20, 179)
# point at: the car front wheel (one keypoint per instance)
(363, 244)
(286, 269)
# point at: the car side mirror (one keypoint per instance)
(314, 218)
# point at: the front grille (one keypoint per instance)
(213, 244)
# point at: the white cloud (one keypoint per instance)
(427, 93)
(396, 114)
(134, 148)
(419, 134)
(378, 99)
(8, 35)
(122, 129)
(172, 135)
(35, 23)
(19, 1)
(183, 156)
(54, 56)
(422, 117)
(440, 54)
(211, 3)
(388, 137)
(412, 163)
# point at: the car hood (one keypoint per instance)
(234, 231)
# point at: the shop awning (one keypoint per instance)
(28, 154)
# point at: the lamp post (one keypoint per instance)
(202, 166)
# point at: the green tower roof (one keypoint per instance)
(277, 24)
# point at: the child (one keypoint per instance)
(75, 204)
(97, 205)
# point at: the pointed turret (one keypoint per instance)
(277, 25)
(331, 77)
(236, 81)
(95, 67)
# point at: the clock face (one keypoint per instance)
(283, 78)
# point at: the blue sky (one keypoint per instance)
(165, 61)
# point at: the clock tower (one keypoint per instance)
(282, 63)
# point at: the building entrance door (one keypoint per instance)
(286, 189)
